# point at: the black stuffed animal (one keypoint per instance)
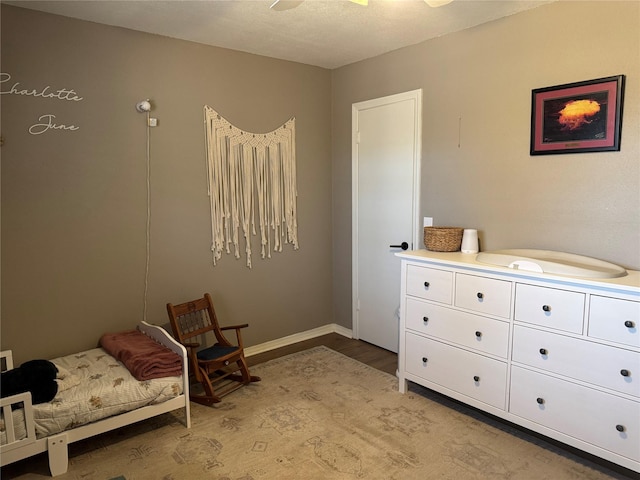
(35, 376)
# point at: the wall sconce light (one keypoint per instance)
(143, 106)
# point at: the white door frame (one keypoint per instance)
(416, 95)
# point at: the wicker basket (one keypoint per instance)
(443, 239)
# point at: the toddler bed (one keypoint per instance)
(127, 380)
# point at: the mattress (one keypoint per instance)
(94, 385)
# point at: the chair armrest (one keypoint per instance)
(235, 327)
(191, 345)
(238, 329)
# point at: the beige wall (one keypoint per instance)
(74, 202)
(587, 203)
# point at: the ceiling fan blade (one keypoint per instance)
(437, 3)
(281, 5)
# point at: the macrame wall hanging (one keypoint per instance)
(251, 175)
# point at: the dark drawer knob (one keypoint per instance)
(543, 351)
(546, 308)
(425, 319)
(426, 284)
(540, 400)
(625, 373)
(480, 295)
(629, 324)
(476, 378)
(478, 334)
(620, 428)
(424, 359)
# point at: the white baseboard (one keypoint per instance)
(298, 337)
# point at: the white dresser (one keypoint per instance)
(557, 355)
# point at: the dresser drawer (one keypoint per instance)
(467, 373)
(466, 329)
(430, 284)
(615, 320)
(483, 295)
(586, 414)
(609, 367)
(550, 307)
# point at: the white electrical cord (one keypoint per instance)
(148, 232)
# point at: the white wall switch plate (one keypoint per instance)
(428, 221)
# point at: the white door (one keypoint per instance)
(386, 172)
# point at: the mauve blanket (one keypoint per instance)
(144, 357)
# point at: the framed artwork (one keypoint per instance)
(577, 117)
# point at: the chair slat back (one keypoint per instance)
(193, 319)
(194, 323)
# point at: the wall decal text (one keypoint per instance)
(46, 92)
(46, 122)
(39, 128)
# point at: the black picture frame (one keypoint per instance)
(577, 117)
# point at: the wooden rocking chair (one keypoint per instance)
(222, 364)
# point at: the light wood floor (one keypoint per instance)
(363, 352)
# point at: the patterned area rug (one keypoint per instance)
(319, 415)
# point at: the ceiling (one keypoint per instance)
(327, 34)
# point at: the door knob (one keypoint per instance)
(403, 245)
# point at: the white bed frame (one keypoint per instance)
(56, 445)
